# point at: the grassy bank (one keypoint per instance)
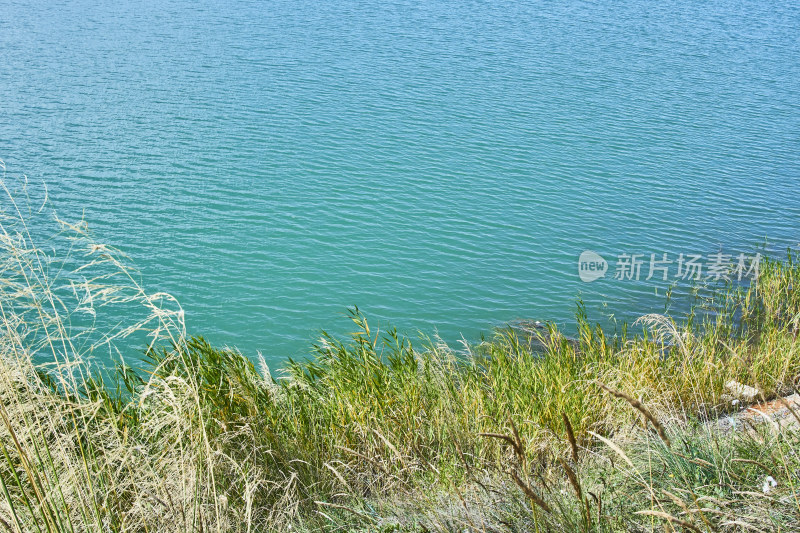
(374, 434)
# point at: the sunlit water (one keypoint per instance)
(439, 164)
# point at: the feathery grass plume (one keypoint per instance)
(573, 444)
(529, 492)
(636, 404)
(76, 455)
(572, 477)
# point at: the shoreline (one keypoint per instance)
(374, 433)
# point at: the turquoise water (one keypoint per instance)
(439, 164)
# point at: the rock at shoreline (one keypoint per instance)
(742, 392)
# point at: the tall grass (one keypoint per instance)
(514, 434)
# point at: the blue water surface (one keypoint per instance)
(441, 165)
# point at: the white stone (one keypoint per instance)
(743, 392)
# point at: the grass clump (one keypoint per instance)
(596, 433)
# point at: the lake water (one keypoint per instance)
(441, 165)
